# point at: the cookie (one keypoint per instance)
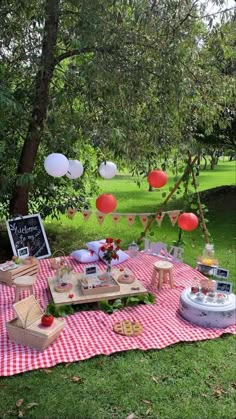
(63, 287)
(126, 279)
(128, 328)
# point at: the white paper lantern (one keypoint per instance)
(75, 169)
(107, 169)
(56, 164)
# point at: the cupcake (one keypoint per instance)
(200, 296)
(210, 296)
(221, 298)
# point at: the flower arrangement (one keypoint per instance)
(110, 249)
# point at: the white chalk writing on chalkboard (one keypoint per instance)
(225, 287)
(28, 231)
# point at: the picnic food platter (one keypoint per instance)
(80, 295)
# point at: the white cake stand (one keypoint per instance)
(207, 313)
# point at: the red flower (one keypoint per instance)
(71, 295)
(110, 249)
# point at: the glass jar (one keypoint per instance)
(133, 249)
(208, 251)
(195, 286)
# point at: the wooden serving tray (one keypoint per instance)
(108, 284)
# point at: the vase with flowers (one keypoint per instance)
(110, 249)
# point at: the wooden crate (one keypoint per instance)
(26, 329)
(7, 277)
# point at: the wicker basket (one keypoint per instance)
(58, 257)
(26, 329)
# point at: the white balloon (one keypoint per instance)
(107, 169)
(56, 164)
(75, 169)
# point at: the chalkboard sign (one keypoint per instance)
(224, 287)
(90, 270)
(222, 273)
(206, 269)
(28, 232)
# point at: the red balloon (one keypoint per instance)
(188, 221)
(157, 178)
(106, 203)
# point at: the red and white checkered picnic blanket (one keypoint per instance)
(90, 333)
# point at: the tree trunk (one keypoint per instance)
(205, 160)
(19, 200)
(213, 162)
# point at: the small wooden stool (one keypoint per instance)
(23, 283)
(164, 270)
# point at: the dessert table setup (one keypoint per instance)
(187, 308)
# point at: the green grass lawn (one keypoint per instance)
(192, 380)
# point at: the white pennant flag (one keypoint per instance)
(159, 217)
(86, 214)
(100, 217)
(70, 212)
(173, 215)
(130, 218)
(115, 218)
(143, 219)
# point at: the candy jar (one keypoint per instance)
(208, 254)
(208, 251)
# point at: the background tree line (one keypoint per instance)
(139, 82)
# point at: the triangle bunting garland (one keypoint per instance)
(130, 217)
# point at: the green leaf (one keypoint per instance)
(117, 304)
(105, 306)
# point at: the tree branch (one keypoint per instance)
(213, 14)
(86, 50)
